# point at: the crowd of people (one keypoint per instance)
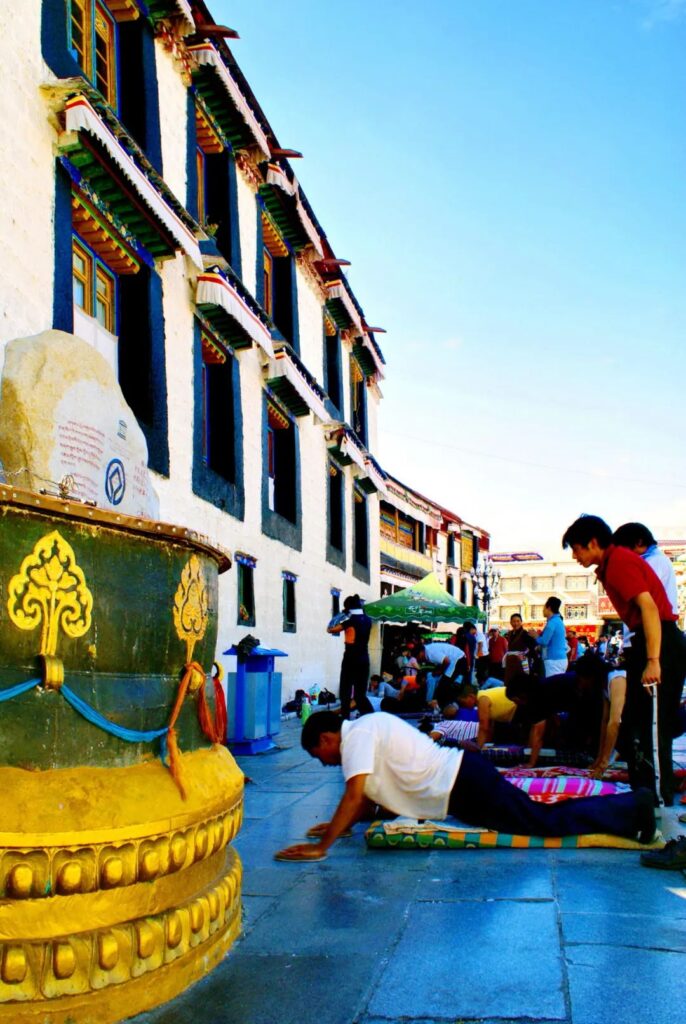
(473, 689)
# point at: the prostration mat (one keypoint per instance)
(406, 834)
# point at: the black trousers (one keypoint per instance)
(482, 796)
(353, 683)
(637, 719)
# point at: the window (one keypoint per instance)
(277, 287)
(217, 423)
(576, 583)
(200, 171)
(335, 602)
(332, 365)
(536, 611)
(542, 582)
(576, 611)
(94, 45)
(281, 503)
(464, 592)
(268, 281)
(511, 585)
(218, 431)
(507, 610)
(281, 463)
(289, 615)
(246, 590)
(94, 287)
(336, 516)
(451, 585)
(358, 401)
(360, 530)
(451, 550)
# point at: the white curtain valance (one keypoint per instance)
(215, 290)
(206, 54)
(80, 117)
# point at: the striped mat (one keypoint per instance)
(461, 838)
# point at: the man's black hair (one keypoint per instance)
(630, 534)
(521, 685)
(352, 603)
(554, 603)
(585, 529)
(591, 666)
(318, 723)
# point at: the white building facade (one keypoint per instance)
(149, 209)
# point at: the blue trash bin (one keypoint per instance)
(253, 701)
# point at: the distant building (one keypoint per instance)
(419, 536)
(528, 580)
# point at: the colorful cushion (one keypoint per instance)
(553, 790)
(461, 838)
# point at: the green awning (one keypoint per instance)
(425, 601)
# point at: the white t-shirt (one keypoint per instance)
(436, 652)
(406, 771)
(482, 644)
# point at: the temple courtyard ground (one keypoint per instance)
(495, 936)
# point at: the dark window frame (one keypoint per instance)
(286, 529)
(361, 537)
(290, 609)
(245, 606)
(335, 515)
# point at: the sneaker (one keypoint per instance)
(645, 808)
(671, 858)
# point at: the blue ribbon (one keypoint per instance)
(93, 716)
(16, 691)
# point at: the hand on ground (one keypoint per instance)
(317, 830)
(301, 851)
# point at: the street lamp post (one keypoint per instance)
(486, 583)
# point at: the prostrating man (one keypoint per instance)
(657, 655)
(447, 665)
(387, 762)
(578, 694)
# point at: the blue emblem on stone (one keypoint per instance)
(115, 481)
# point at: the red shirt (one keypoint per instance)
(497, 649)
(625, 575)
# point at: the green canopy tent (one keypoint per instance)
(425, 601)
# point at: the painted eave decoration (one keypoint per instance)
(367, 355)
(175, 229)
(215, 84)
(181, 9)
(294, 386)
(341, 307)
(347, 450)
(225, 305)
(283, 199)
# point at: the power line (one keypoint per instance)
(431, 442)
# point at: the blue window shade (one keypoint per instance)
(335, 516)
(62, 300)
(142, 367)
(217, 458)
(284, 521)
(360, 537)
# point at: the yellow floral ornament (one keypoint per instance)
(191, 603)
(50, 588)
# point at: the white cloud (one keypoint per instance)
(662, 10)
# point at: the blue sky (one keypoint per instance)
(508, 178)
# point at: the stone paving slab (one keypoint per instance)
(613, 985)
(469, 959)
(637, 930)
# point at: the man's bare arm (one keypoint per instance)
(652, 627)
(350, 809)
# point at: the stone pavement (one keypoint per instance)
(495, 936)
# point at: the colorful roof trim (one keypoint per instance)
(341, 306)
(81, 117)
(206, 56)
(293, 385)
(215, 292)
(288, 209)
(369, 362)
(160, 9)
(92, 227)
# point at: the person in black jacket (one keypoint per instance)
(355, 666)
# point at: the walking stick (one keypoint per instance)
(652, 688)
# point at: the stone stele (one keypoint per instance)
(63, 415)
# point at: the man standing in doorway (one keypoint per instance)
(657, 656)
